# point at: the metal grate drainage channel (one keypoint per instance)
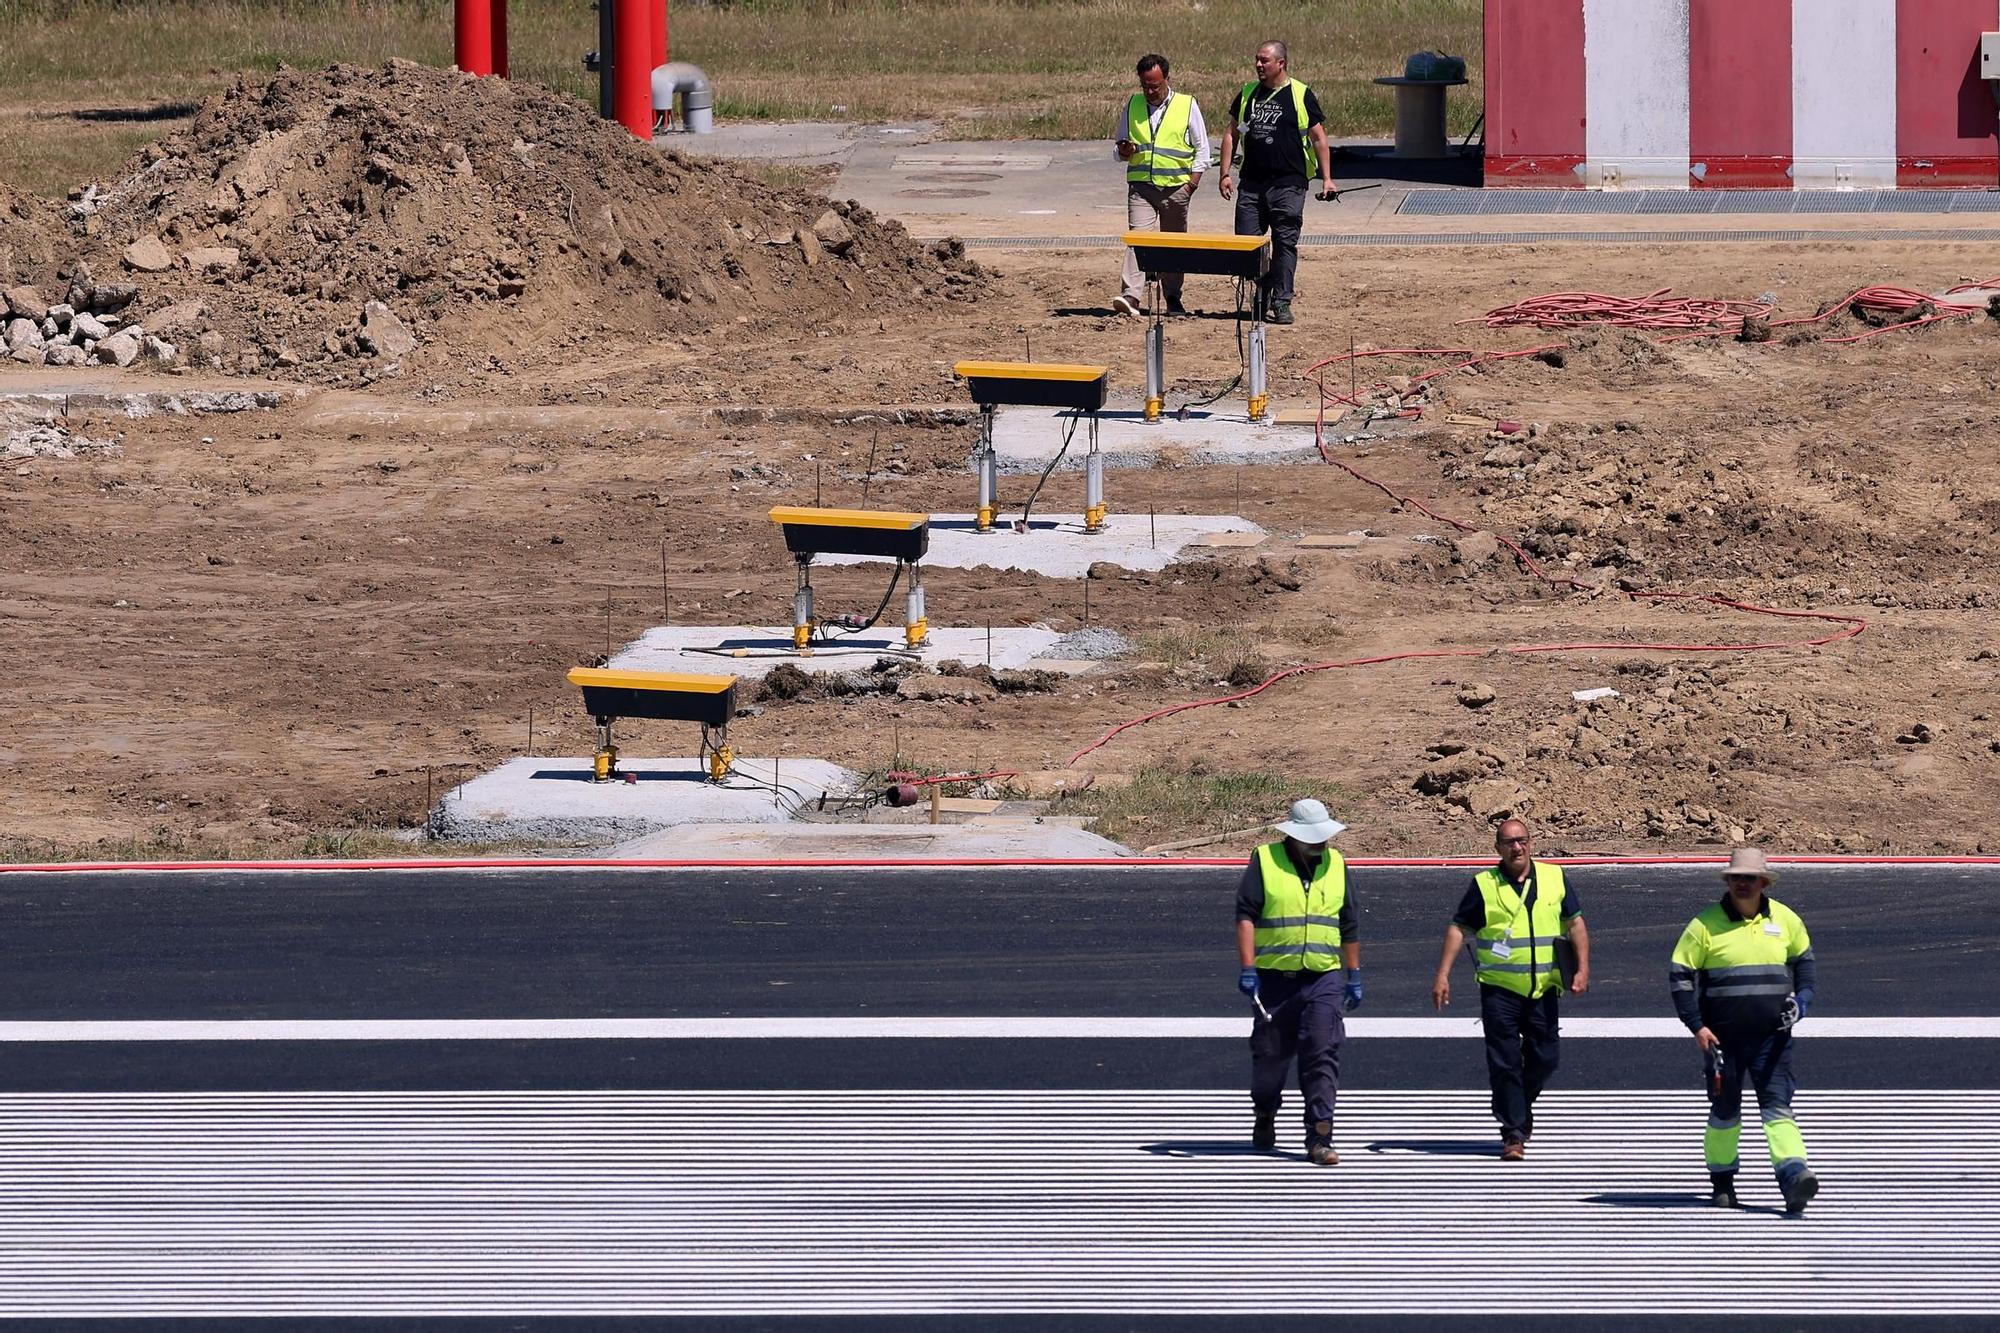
(1526, 238)
(1490, 203)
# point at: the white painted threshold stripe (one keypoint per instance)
(823, 1029)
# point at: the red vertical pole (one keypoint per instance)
(659, 8)
(500, 37)
(472, 35)
(631, 69)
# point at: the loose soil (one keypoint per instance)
(241, 630)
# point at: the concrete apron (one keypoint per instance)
(752, 651)
(1058, 547)
(1026, 438)
(993, 838)
(554, 800)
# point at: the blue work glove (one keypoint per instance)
(1352, 991)
(1805, 999)
(1790, 1013)
(1246, 981)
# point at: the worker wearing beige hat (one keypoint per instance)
(1296, 926)
(1742, 977)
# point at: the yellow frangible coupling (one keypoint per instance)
(915, 632)
(719, 760)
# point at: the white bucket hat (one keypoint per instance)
(1749, 861)
(1309, 822)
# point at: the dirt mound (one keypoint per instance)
(33, 239)
(493, 219)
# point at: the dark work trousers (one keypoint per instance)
(1279, 207)
(1306, 1024)
(1522, 1051)
(1766, 1062)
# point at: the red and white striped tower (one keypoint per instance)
(1706, 94)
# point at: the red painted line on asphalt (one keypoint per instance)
(915, 863)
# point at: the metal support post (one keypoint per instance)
(1093, 484)
(1156, 349)
(1260, 396)
(802, 610)
(915, 626)
(988, 468)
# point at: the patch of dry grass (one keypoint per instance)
(1160, 806)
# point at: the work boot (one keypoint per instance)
(1799, 1191)
(1722, 1191)
(1281, 312)
(1319, 1145)
(1513, 1150)
(1264, 1133)
(1174, 306)
(1125, 305)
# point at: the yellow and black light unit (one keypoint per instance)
(667, 696)
(997, 384)
(887, 534)
(1245, 258)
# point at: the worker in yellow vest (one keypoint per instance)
(1161, 139)
(1524, 919)
(1298, 947)
(1742, 977)
(1283, 133)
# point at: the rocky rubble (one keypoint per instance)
(49, 440)
(93, 323)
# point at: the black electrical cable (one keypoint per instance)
(1068, 435)
(1242, 359)
(881, 606)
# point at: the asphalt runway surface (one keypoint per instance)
(1069, 1169)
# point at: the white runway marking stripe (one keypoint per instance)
(800, 1029)
(940, 1203)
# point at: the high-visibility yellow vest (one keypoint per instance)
(1299, 91)
(1299, 929)
(1740, 967)
(1515, 951)
(1165, 159)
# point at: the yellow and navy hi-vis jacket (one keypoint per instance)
(1165, 158)
(1299, 927)
(1516, 948)
(1732, 973)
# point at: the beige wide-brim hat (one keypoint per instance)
(1309, 822)
(1749, 861)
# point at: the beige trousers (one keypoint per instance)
(1153, 208)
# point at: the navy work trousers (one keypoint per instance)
(1279, 207)
(1305, 1025)
(1522, 1052)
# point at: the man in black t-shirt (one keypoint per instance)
(1279, 122)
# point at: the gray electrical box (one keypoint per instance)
(1989, 55)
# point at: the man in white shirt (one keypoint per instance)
(1163, 143)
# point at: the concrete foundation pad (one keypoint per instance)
(36, 394)
(751, 651)
(1026, 438)
(554, 799)
(1012, 838)
(1057, 545)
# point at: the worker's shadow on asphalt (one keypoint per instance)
(1436, 1147)
(1674, 1202)
(1214, 1148)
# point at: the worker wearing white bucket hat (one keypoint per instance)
(1296, 928)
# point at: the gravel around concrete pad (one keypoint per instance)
(1094, 644)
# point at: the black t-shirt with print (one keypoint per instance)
(1270, 130)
